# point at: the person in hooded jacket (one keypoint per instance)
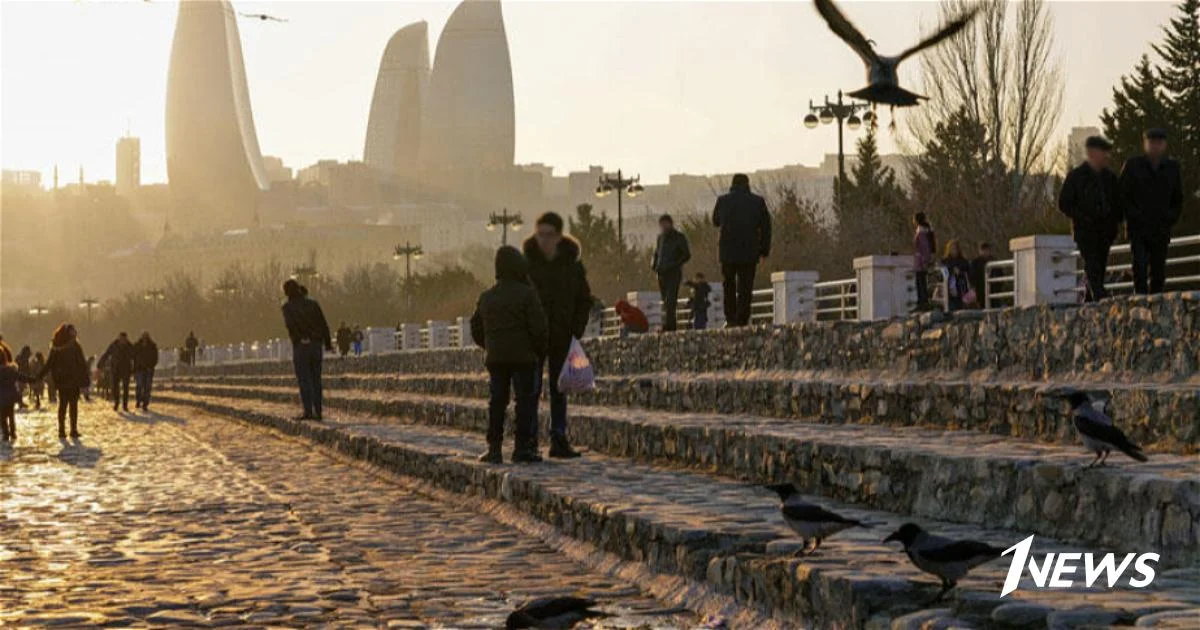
(510, 325)
(119, 359)
(145, 359)
(558, 274)
(745, 224)
(68, 367)
(10, 393)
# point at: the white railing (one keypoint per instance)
(837, 299)
(1119, 279)
(999, 287)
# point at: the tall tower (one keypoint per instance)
(214, 166)
(129, 165)
(394, 127)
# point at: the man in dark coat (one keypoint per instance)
(191, 344)
(145, 359)
(745, 224)
(1091, 198)
(556, 271)
(309, 332)
(119, 360)
(1152, 189)
(344, 337)
(510, 325)
(670, 254)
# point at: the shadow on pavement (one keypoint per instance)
(75, 453)
(150, 417)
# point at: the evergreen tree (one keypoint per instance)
(1138, 104)
(872, 211)
(1180, 78)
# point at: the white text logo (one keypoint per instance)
(1057, 569)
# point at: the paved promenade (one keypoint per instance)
(180, 518)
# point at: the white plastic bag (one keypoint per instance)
(577, 374)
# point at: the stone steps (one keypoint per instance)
(722, 533)
(959, 476)
(1160, 417)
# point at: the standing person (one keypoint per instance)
(37, 387)
(309, 332)
(190, 345)
(699, 301)
(924, 245)
(958, 274)
(119, 359)
(510, 325)
(358, 338)
(68, 367)
(979, 272)
(343, 339)
(1091, 198)
(559, 276)
(1152, 190)
(10, 393)
(145, 359)
(22, 363)
(670, 254)
(91, 365)
(745, 239)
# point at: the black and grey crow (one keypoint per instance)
(946, 558)
(883, 83)
(813, 522)
(1096, 430)
(552, 612)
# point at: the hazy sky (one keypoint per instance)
(653, 87)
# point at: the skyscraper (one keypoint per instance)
(469, 134)
(129, 165)
(394, 126)
(214, 166)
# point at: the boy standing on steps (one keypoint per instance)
(510, 324)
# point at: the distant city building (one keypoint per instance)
(21, 179)
(394, 126)
(1076, 152)
(344, 184)
(276, 171)
(214, 166)
(129, 165)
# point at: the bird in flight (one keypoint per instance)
(262, 17)
(883, 84)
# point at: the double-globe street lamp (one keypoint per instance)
(846, 115)
(409, 253)
(504, 220)
(154, 296)
(39, 311)
(89, 303)
(609, 184)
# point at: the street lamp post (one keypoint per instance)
(503, 221)
(609, 184)
(409, 253)
(305, 273)
(154, 296)
(90, 304)
(39, 311)
(846, 114)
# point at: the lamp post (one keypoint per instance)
(154, 296)
(39, 311)
(503, 221)
(846, 114)
(609, 184)
(225, 288)
(409, 253)
(90, 304)
(305, 273)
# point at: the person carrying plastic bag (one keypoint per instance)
(577, 375)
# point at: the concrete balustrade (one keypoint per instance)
(1043, 269)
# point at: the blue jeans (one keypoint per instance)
(504, 381)
(306, 358)
(558, 400)
(145, 380)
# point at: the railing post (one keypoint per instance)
(439, 333)
(410, 336)
(464, 332)
(886, 286)
(651, 304)
(716, 305)
(379, 340)
(1043, 269)
(795, 296)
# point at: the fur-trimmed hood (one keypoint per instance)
(569, 250)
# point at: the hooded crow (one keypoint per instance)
(552, 612)
(948, 559)
(813, 522)
(1096, 430)
(882, 79)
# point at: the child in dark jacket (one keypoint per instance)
(510, 325)
(10, 393)
(68, 366)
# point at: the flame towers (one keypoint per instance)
(394, 126)
(214, 166)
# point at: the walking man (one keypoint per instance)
(145, 359)
(119, 359)
(1091, 199)
(558, 275)
(1152, 190)
(670, 254)
(310, 336)
(745, 239)
(191, 344)
(344, 336)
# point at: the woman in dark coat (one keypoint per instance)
(68, 366)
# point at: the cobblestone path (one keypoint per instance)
(172, 520)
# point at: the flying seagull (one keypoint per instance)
(261, 16)
(813, 522)
(946, 558)
(552, 612)
(883, 84)
(1096, 430)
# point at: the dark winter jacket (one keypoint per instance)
(67, 367)
(9, 393)
(745, 226)
(1092, 200)
(145, 355)
(671, 252)
(563, 288)
(343, 338)
(1153, 196)
(118, 358)
(305, 322)
(509, 322)
(979, 274)
(700, 291)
